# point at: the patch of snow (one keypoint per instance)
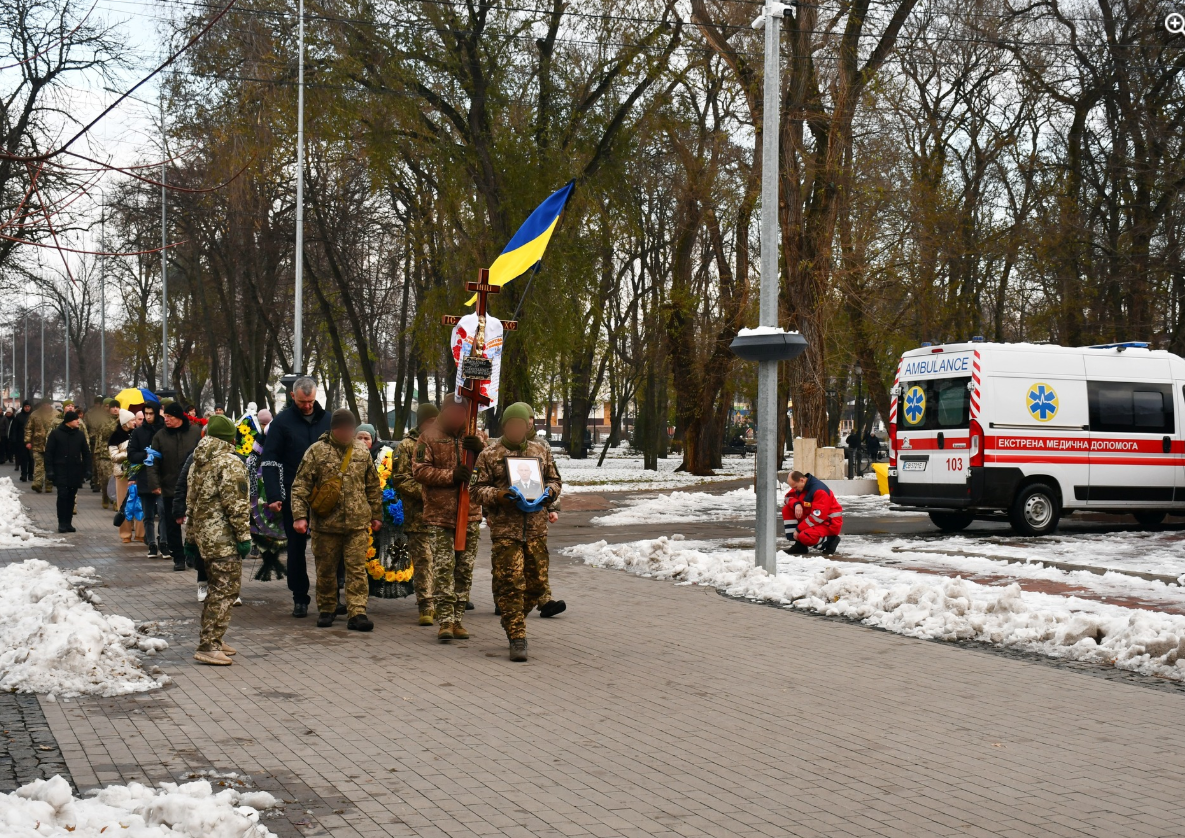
(623, 473)
(192, 810)
(917, 604)
(739, 504)
(762, 330)
(16, 528)
(54, 641)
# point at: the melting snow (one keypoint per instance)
(16, 529)
(49, 808)
(917, 604)
(53, 640)
(622, 473)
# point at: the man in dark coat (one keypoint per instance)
(5, 447)
(175, 442)
(295, 428)
(67, 465)
(145, 478)
(16, 438)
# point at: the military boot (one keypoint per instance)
(325, 619)
(459, 632)
(446, 632)
(552, 607)
(426, 617)
(213, 658)
(360, 622)
(518, 650)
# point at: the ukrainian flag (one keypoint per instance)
(527, 246)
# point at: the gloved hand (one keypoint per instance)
(529, 506)
(461, 474)
(244, 547)
(152, 455)
(191, 551)
(474, 443)
(513, 497)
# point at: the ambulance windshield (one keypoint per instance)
(935, 404)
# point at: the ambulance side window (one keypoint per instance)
(1119, 407)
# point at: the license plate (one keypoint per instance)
(914, 465)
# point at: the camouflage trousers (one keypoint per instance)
(225, 578)
(40, 484)
(102, 472)
(330, 549)
(419, 548)
(520, 581)
(452, 572)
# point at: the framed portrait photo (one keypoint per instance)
(526, 475)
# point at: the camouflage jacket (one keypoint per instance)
(38, 427)
(99, 440)
(491, 483)
(361, 496)
(218, 516)
(437, 454)
(410, 492)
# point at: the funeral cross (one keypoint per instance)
(475, 369)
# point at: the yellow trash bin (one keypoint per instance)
(882, 477)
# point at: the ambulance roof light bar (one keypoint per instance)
(1119, 347)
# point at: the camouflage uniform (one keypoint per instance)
(218, 519)
(342, 534)
(436, 456)
(36, 432)
(101, 456)
(418, 547)
(519, 559)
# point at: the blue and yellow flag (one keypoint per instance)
(527, 246)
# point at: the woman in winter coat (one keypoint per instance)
(117, 447)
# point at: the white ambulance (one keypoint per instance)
(1035, 432)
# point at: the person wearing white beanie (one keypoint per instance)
(117, 447)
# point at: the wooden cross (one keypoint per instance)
(471, 390)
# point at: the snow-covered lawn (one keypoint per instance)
(917, 604)
(739, 504)
(54, 641)
(192, 810)
(16, 530)
(623, 473)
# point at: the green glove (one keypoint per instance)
(244, 549)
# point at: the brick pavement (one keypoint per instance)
(647, 709)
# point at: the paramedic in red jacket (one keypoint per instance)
(812, 514)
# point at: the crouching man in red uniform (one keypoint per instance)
(812, 515)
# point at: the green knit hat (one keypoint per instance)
(220, 427)
(518, 410)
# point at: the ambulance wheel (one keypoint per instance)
(951, 521)
(1035, 511)
(1148, 520)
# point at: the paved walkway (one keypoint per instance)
(646, 710)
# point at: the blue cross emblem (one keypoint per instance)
(1042, 402)
(915, 405)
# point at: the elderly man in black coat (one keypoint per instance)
(67, 465)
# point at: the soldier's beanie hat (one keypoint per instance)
(221, 428)
(126, 417)
(173, 409)
(111, 403)
(68, 401)
(341, 418)
(519, 410)
(367, 428)
(426, 411)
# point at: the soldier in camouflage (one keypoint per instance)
(218, 528)
(36, 432)
(518, 524)
(439, 468)
(103, 467)
(344, 533)
(418, 541)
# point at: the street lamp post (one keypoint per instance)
(103, 301)
(164, 254)
(298, 326)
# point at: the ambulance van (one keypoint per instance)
(1034, 432)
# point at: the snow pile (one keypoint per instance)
(739, 504)
(53, 640)
(918, 604)
(623, 473)
(49, 808)
(16, 530)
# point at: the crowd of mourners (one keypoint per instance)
(390, 520)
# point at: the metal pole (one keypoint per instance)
(164, 257)
(298, 326)
(41, 317)
(767, 371)
(66, 317)
(103, 303)
(25, 385)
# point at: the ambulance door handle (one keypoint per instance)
(942, 440)
(1167, 445)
